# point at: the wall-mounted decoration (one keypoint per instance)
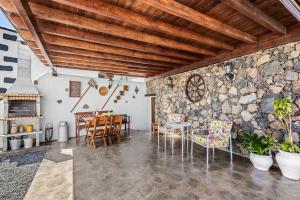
(110, 83)
(67, 89)
(118, 97)
(59, 101)
(74, 88)
(229, 71)
(170, 83)
(122, 93)
(126, 101)
(35, 82)
(92, 84)
(115, 101)
(103, 91)
(85, 106)
(133, 96)
(195, 88)
(136, 90)
(125, 87)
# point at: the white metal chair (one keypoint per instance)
(219, 136)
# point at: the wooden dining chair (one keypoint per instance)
(99, 130)
(115, 127)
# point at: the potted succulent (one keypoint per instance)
(288, 158)
(259, 148)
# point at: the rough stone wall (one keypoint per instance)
(247, 100)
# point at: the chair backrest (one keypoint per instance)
(116, 122)
(176, 117)
(221, 128)
(101, 121)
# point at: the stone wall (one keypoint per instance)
(247, 100)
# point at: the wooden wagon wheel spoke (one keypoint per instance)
(195, 88)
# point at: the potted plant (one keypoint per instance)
(288, 158)
(259, 148)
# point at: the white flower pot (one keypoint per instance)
(28, 143)
(289, 164)
(260, 162)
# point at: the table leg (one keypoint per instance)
(182, 142)
(37, 139)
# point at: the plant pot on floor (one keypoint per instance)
(261, 162)
(28, 143)
(289, 164)
(15, 143)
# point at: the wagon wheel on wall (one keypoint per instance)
(195, 88)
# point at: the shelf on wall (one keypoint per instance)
(18, 118)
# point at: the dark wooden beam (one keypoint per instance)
(27, 17)
(57, 30)
(187, 13)
(54, 15)
(89, 68)
(121, 14)
(264, 42)
(88, 61)
(104, 61)
(107, 69)
(248, 9)
(99, 55)
(56, 40)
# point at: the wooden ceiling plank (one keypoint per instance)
(118, 42)
(100, 55)
(90, 68)
(27, 17)
(189, 14)
(107, 68)
(99, 64)
(56, 40)
(248, 9)
(8, 6)
(121, 14)
(56, 55)
(54, 15)
(265, 42)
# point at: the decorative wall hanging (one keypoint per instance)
(122, 93)
(92, 84)
(133, 96)
(125, 87)
(229, 71)
(195, 88)
(103, 91)
(59, 101)
(74, 88)
(118, 97)
(136, 90)
(115, 101)
(85, 106)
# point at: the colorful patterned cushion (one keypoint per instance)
(176, 117)
(219, 133)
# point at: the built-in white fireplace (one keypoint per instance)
(20, 105)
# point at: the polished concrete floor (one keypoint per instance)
(139, 168)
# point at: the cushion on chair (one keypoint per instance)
(176, 117)
(169, 130)
(219, 133)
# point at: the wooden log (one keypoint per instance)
(27, 17)
(180, 10)
(121, 14)
(56, 40)
(95, 54)
(57, 30)
(248, 9)
(54, 15)
(63, 56)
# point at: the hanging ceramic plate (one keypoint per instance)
(103, 91)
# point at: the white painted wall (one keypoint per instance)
(54, 88)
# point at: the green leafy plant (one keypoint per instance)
(283, 110)
(289, 147)
(261, 145)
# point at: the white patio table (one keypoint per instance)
(183, 126)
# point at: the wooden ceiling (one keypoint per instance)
(148, 38)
